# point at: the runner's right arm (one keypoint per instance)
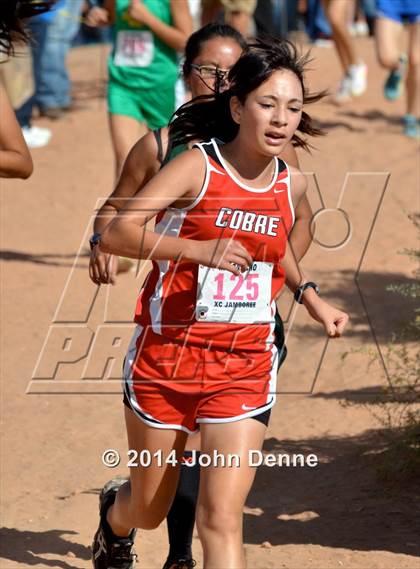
(140, 167)
(128, 235)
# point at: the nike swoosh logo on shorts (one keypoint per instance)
(246, 408)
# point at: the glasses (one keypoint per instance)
(210, 72)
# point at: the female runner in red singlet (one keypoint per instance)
(203, 352)
(209, 55)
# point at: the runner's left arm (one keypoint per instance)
(174, 36)
(300, 237)
(333, 319)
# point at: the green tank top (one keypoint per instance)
(139, 59)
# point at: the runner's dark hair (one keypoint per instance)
(12, 14)
(209, 116)
(206, 33)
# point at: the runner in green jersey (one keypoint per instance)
(143, 65)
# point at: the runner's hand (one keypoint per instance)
(222, 254)
(138, 11)
(102, 267)
(97, 17)
(333, 320)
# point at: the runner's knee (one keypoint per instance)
(218, 519)
(387, 60)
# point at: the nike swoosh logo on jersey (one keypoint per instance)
(278, 191)
(246, 408)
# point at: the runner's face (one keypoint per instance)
(217, 53)
(271, 113)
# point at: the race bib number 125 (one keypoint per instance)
(225, 297)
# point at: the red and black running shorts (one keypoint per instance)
(171, 385)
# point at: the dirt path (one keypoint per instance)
(335, 515)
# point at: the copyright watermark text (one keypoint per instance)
(254, 458)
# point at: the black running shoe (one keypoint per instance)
(180, 563)
(109, 551)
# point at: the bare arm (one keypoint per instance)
(174, 36)
(15, 159)
(126, 234)
(333, 319)
(140, 167)
(300, 237)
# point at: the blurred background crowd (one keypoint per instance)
(148, 37)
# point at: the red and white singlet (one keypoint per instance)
(189, 304)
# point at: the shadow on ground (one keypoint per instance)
(373, 116)
(89, 89)
(28, 547)
(367, 395)
(339, 503)
(330, 125)
(51, 259)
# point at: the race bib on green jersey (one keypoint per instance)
(134, 48)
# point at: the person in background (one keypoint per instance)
(238, 13)
(354, 81)
(52, 34)
(53, 96)
(368, 8)
(15, 159)
(276, 18)
(391, 17)
(317, 26)
(89, 35)
(143, 65)
(37, 26)
(359, 27)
